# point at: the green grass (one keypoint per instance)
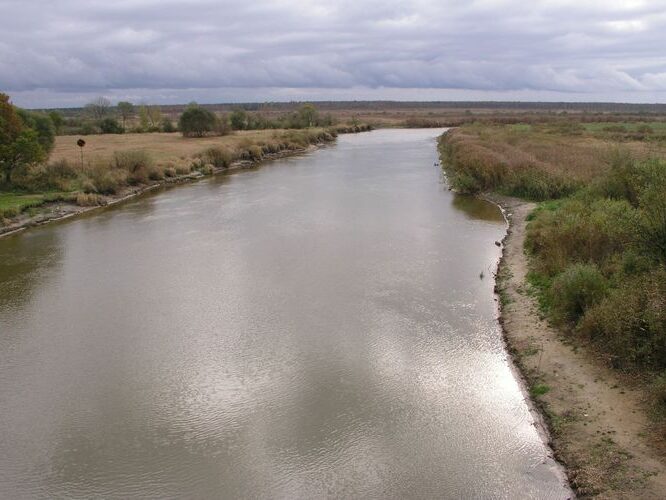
(657, 127)
(11, 204)
(520, 127)
(539, 390)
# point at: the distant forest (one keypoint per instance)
(516, 106)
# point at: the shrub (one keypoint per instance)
(155, 173)
(254, 153)
(88, 200)
(110, 126)
(574, 291)
(197, 122)
(137, 164)
(183, 169)
(59, 175)
(631, 322)
(167, 126)
(219, 157)
(105, 180)
(580, 229)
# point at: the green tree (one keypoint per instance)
(19, 146)
(197, 122)
(167, 126)
(46, 132)
(110, 126)
(126, 111)
(308, 115)
(144, 117)
(154, 116)
(57, 119)
(238, 119)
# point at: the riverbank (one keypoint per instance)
(184, 160)
(597, 420)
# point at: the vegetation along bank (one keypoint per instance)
(582, 285)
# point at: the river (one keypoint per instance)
(317, 327)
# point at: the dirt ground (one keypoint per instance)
(598, 422)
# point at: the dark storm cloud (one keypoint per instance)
(142, 47)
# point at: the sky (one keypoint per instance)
(61, 53)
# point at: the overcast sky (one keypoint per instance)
(65, 52)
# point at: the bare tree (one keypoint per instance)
(99, 108)
(126, 110)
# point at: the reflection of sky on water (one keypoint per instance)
(315, 327)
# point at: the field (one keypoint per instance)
(161, 147)
(542, 161)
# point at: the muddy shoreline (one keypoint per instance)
(594, 420)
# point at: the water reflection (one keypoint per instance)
(314, 328)
(477, 209)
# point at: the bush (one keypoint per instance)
(137, 164)
(218, 157)
(88, 200)
(631, 322)
(109, 182)
(575, 290)
(59, 175)
(110, 126)
(197, 122)
(581, 229)
(167, 126)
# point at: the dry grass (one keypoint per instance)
(160, 146)
(533, 161)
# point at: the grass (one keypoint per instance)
(535, 161)
(597, 241)
(539, 390)
(162, 147)
(600, 127)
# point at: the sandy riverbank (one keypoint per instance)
(597, 422)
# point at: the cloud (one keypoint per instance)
(159, 47)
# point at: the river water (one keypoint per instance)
(317, 327)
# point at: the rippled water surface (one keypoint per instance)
(313, 328)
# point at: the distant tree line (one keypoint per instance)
(100, 116)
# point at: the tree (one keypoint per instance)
(57, 119)
(41, 124)
(126, 110)
(110, 126)
(10, 122)
(154, 116)
(144, 117)
(238, 119)
(99, 108)
(308, 115)
(197, 122)
(19, 145)
(167, 126)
